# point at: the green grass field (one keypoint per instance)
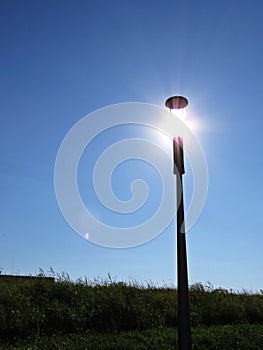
(40, 314)
(228, 337)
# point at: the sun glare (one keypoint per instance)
(179, 113)
(192, 123)
(165, 140)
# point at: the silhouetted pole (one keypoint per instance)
(184, 330)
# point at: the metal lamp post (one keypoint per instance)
(184, 330)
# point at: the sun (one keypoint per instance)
(193, 123)
(179, 113)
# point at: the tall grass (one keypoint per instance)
(41, 307)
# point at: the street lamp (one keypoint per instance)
(184, 330)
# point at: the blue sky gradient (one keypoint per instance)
(61, 60)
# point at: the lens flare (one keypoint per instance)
(155, 152)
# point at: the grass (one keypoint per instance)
(41, 314)
(229, 337)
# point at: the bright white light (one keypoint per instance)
(189, 119)
(179, 113)
(164, 139)
(192, 125)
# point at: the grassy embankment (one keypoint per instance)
(40, 314)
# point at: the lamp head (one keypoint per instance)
(176, 102)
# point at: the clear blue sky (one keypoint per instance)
(61, 60)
